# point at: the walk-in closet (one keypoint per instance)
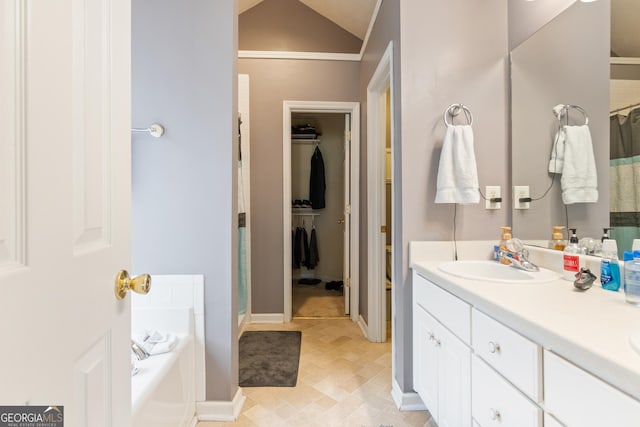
(317, 214)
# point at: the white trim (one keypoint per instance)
(221, 410)
(267, 318)
(406, 401)
(352, 108)
(194, 421)
(374, 16)
(381, 80)
(625, 61)
(363, 327)
(317, 56)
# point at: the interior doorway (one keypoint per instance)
(380, 200)
(322, 267)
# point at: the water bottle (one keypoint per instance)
(632, 279)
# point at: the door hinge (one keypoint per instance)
(347, 135)
(347, 210)
(347, 282)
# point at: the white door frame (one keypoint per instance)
(380, 82)
(352, 108)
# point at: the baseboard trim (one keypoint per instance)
(406, 401)
(363, 326)
(267, 318)
(194, 422)
(221, 410)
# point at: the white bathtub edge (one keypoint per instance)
(221, 410)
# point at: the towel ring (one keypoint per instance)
(565, 112)
(454, 109)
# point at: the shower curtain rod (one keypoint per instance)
(624, 108)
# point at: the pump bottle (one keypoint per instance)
(572, 260)
(557, 242)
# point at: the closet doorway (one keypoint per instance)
(320, 223)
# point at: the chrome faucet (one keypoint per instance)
(517, 256)
(139, 351)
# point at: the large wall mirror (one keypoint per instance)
(568, 61)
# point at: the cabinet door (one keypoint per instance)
(425, 359)
(454, 380)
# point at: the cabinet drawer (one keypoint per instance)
(508, 352)
(447, 308)
(577, 398)
(495, 402)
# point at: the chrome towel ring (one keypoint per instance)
(454, 109)
(562, 111)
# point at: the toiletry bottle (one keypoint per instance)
(571, 258)
(632, 279)
(609, 267)
(597, 250)
(557, 242)
(506, 236)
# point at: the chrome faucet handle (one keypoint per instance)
(139, 351)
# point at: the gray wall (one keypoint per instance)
(385, 29)
(184, 184)
(454, 51)
(289, 25)
(526, 17)
(566, 62)
(272, 82)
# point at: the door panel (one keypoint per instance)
(454, 381)
(66, 180)
(346, 271)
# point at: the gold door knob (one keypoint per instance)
(139, 284)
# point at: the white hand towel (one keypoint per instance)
(573, 157)
(457, 171)
(155, 342)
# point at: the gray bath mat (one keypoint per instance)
(269, 358)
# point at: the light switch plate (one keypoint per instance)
(520, 191)
(491, 192)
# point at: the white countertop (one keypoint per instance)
(591, 328)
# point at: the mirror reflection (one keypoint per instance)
(591, 68)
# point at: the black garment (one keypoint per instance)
(305, 247)
(297, 248)
(316, 180)
(314, 258)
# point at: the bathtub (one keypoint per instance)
(163, 389)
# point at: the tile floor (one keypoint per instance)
(343, 380)
(316, 301)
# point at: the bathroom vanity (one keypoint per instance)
(520, 354)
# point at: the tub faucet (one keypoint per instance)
(139, 351)
(518, 259)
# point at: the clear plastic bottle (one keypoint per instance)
(632, 279)
(572, 261)
(609, 267)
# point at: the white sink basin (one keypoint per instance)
(492, 271)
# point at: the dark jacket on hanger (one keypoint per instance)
(314, 257)
(316, 181)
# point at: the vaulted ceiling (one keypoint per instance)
(352, 15)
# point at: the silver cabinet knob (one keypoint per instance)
(494, 347)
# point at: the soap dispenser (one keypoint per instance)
(572, 261)
(506, 236)
(557, 242)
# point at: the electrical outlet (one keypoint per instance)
(519, 192)
(492, 192)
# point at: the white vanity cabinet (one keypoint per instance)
(441, 355)
(577, 398)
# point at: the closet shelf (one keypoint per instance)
(304, 141)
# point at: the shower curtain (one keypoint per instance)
(624, 171)
(242, 244)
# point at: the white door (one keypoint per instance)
(346, 270)
(65, 207)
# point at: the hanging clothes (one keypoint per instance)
(314, 257)
(305, 247)
(297, 248)
(317, 185)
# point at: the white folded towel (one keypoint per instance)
(155, 342)
(572, 156)
(457, 172)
